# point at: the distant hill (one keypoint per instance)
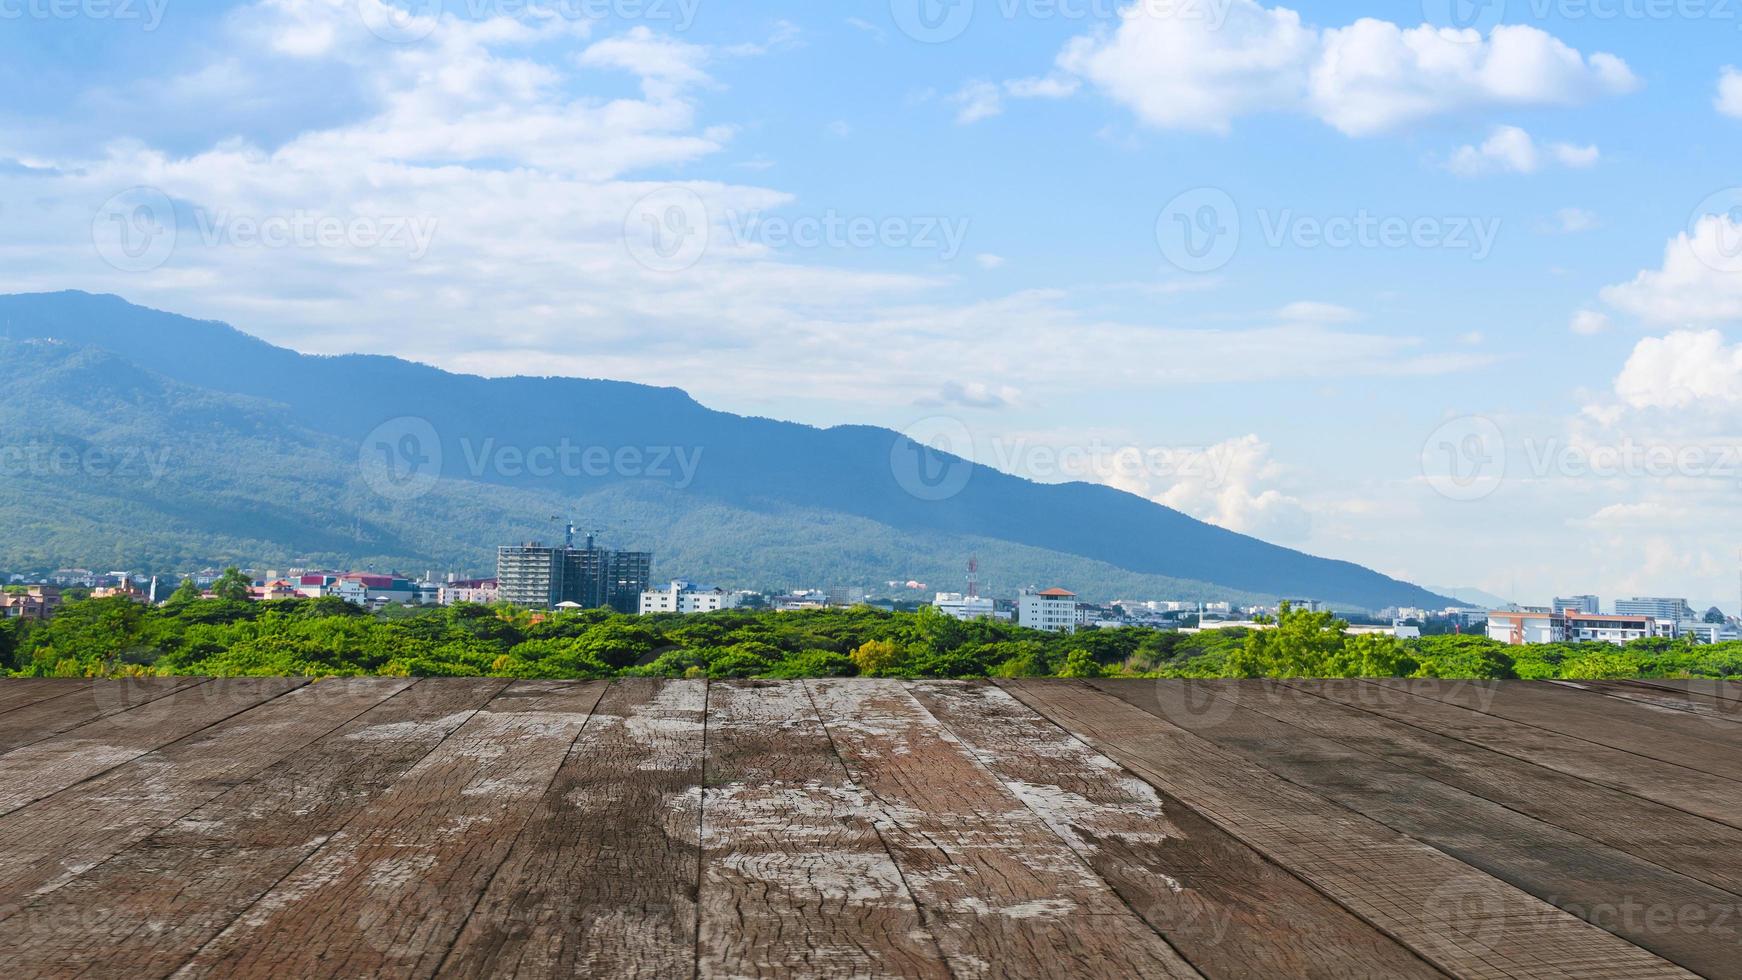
(237, 450)
(1469, 595)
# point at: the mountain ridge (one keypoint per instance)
(333, 404)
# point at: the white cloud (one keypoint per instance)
(1589, 322)
(975, 394)
(1238, 487)
(1308, 311)
(977, 101)
(1510, 149)
(1572, 221)
(1699, 280)
(988, 261)
(1728, 101)
(983, 100)
(1681, 370)
(485, 131)
(1179, 72)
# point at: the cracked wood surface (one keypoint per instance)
(393, 828)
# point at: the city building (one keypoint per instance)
(965, 607)
(539, 577)
(1050, 610)
(685, 598)
(530, 575)
(1519, 628)
(1589, 604)
(37, 602)
(1674, 610)
(482, 591)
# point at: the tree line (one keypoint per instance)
(229, 636)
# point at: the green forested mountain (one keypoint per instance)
(135, 438)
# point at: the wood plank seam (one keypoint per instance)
(7, 912)
(518, 834)
(1507, 749)
(1478, 956)
(1596, 842)
(1657, 759)
(291, 872)
(1504, 719)
(876, 828)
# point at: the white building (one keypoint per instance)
(1674, 610)
(1519, 628)
(683, 597)
(964, 607)
(1051, 610)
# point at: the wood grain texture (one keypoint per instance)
(46, 767)
(386, 895)
(39, 719)
(43, 846)
(148, 909)
(1226, 909)
(602, 880)
(1664, 734)
(27, 691)
(1664, 835)
(796, 881)
(1690, 790)
(1572, 873)
(1463, 920)
(1723, 712)
(1003, 894)
(395, 828)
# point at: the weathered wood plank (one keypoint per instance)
(1664, 835)
(1226, 909)
(46, 845)
(145, 911)
(85, 703)
(1718, 711)
(25, 691)
(386, 895)
(602, 881)
(796, 881)
(1658, 733)
(1002, 893)
(1461, 919)
(41, 769)
(1573, 873)
(1685, 789)
(1705, 687)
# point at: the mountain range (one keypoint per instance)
(140, 439)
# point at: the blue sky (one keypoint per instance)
(1533, 390)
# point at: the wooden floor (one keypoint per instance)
(401, 828)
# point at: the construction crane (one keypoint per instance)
(569, 533)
